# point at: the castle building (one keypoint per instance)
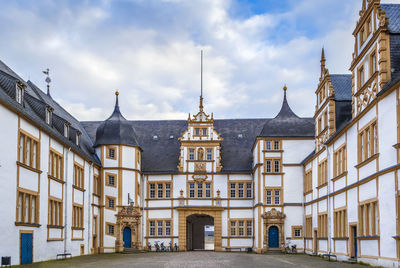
(327, 184)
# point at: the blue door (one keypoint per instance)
(273, 237)
(26, 248)
(355, 242)
(127, 237)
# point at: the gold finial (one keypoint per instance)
(284, 87)
(116, 93)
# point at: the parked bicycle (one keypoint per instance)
(162, 247)
(290, 248)
(149, 247)
(171, 248)
(157, 246)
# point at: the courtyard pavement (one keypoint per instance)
(192, 259)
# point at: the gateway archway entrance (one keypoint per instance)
(197, 238)
(194, 218)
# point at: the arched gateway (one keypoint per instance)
(191, 227)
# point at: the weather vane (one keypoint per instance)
(48, 80)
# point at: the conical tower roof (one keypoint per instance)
(116, 129)
(288, 124)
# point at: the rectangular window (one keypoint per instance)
(191, 190)
(56, 165)
(368, 218)
(339, 161)
(297, 232)
(241, 227)
(77, 216)
(200, 190)
(241, 190)
(367, 142)
(208, 190)
(273, 196)
(167, 190)
(276, 145)
(268, 166)
(233, 190)
(191, 154)
(55, 214)
(323, 172)
(167, 228)
(269, 197)
(369, 26)
(96, 185)
(362, 36)
(233, 228)
(110, 180)
(152, 190)
(249, 228)
(204, 132)
(197, 131)
(277, 197)
(361, 77)
(159, 228)
(110, 202)
(372, 62)
(27, 208)
(111, 152)
(28, 150)
(78, 176)
(160, 190)
(249, 190)
(152, 228)
(19, 95)
(209, 154)
(308, 181)
(276, 166)
(340, 223)
(268, 145)
(323, 225)
(110, 229)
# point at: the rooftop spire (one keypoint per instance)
(323, 61)
(116, 98)
(48, 80)
(201, 81)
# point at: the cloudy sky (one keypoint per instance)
(150, 51)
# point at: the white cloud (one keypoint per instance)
(153, 57)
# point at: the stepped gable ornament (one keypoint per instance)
(273, 214)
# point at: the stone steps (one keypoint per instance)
(132, 250)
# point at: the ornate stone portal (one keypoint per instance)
(128, 216)
(274, 218)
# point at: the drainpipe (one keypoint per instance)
(304, 215)
(142, 208)
(66, 201)
(89, 207)
(329, 199)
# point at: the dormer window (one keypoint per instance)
(197, 131)
(191, 154)
(369, 26)
(66, 129)
(204, 132)
(19, 94)
(49, 112)
(78, 138)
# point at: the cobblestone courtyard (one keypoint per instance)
(192, 260)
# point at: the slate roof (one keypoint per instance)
(33, 107)
(161, 155)
(393, 13)
(116, 130)
(288, 124)
(342, 85)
